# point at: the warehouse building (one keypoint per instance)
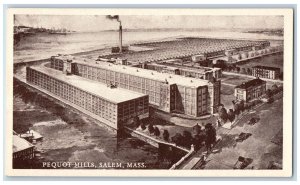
(168, 92)
(112, 106)
(266, 72)
(250, 90)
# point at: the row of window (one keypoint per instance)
(150, 87)
(92, 103)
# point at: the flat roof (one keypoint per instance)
(181, 48)
(116, 95)
(197, 69)
(146, 73)
(68, 58)
(250, 83)
(20, 144)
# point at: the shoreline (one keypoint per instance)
(106, 48)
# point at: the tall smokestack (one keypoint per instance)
(120, 37)
(116, 17)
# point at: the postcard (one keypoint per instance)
(149, 92)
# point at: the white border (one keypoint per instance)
(287, 98)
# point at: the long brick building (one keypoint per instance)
(170, 93)
(266, 72)
(112, 106)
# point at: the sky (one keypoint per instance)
(100, 22)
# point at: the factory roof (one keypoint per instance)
(115, 95)
(181, 48)
(20, 144)
(145, 73)
(251, 83)
(197, 69)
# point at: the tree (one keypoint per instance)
(223, 114)
(221, 106)
(177, 139)
(237, 109)
(242, 105)
(187, 138)
(136, 121)
(211, 134)
(151, 112)
(246, 106)
(199, 139)
(143, 127)
(156, 131)
(231, 115)
(269, 93)
(197, 129)
(166, 135)
(150, 128)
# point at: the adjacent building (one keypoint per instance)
(22, 149)
(266, 72)
(250, 90)
(168, 92)
(205, 73)
(198, 58)
(62, 63)
(111, 105)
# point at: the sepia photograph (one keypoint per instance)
(158, 92)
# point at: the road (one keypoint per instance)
(257, 147)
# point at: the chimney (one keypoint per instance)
(120, 38)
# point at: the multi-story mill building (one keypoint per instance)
(200, 72)
(110, 105)
(168, 92)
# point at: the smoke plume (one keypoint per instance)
(113, 17)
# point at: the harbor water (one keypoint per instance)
(43, 45)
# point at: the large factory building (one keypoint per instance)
(200, 72)
(112, 106)
(170, 93)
